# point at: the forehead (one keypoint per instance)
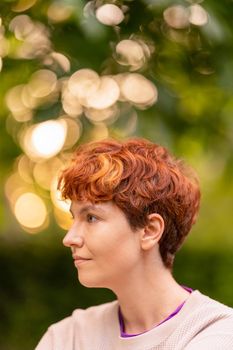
(83, 206)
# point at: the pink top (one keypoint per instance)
(209, 324)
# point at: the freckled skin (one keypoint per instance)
(102, 233)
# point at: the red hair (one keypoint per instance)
(140, 178)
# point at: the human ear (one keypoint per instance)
(152, 232)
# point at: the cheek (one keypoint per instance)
(121, 253)
(128, 254)
(113, 242)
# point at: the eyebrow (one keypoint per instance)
(86, 208)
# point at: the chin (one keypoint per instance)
(90, 282)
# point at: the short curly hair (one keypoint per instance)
(140, 177)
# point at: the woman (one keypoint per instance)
(133, 204)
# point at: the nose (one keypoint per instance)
(72, 238)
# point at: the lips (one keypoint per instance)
(77, 257)
(79, 260)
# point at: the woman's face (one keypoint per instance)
(105, 249)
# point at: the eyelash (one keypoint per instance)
(89, 216)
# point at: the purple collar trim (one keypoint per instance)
(125, 335)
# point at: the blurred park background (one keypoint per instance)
(73, 71)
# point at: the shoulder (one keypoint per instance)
(89, 315)
(212, 323)
(202, 323)
(205, 311)
(211, 306)
(61, 335)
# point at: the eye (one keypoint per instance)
(91, 218)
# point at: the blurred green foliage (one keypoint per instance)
(193, 117)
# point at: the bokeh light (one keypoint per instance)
(177, 16)
(138, 90)
(70, 102)
(42, 83)
(15, 103)
(108, 115)
(83, 83)
(30, 211)
(14, 187)
(44, 172)
(34, 37)
(198, 15)
(25, 166)
(22, 26)
(56, 196)
(131, 53)
(105, 94)
(23, 5)
(63, 218)
(44, 140)
(59, 12)
(109, 14)
(55, 59)
(73, 131)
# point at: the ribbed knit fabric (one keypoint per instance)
(201, 324)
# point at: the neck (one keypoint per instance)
(147, 301)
